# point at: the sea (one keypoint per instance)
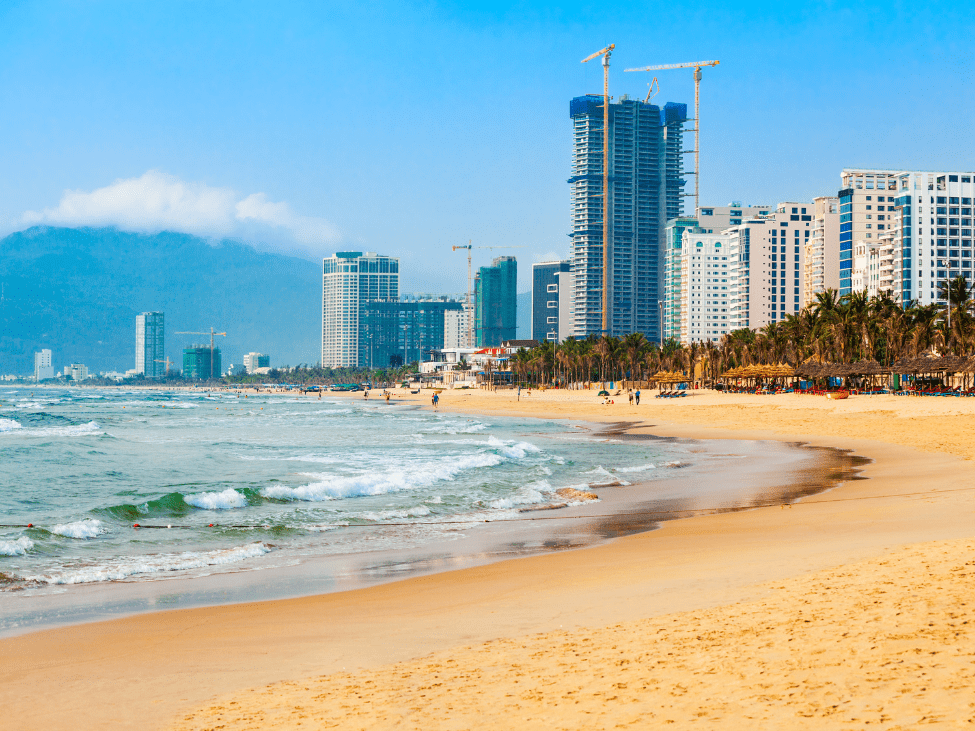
(115, 501)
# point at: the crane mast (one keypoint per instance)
(470, 309)
(696, 65)
(212, 334)
(605, 53)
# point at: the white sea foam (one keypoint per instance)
(157, 563)
(9, 425)
(513, 450)
(330, 487)
(18, 547)
(87, 528)
(417, 512)
(454, 428)
(225, 500)
(638, 468)
(91, 427)
(530, 494)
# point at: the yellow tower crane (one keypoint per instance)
(697, 66)
(605, 53)
(468, 308)
(213, 333)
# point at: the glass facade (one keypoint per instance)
(197, 364)
(496, 303)
(646, 189)
(150, 351)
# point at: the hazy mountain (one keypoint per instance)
(77, 292)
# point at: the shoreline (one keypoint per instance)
(181, 660)
(633, 507)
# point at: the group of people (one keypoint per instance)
(386, 394)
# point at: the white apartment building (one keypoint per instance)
(712, 219)
(928, 218)
(42, 365)
(350, 280)
(77, 371)
(822, 265)
(254, 362)
(457, 330)
(704, 301)
(768, 255)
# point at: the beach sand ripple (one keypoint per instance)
(886, 642)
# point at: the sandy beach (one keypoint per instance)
(850, 608)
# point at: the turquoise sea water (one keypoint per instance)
(277, 475)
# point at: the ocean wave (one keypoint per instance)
(18, 547)
(639, 468)
(225, 500)
(454, 428)
(530, 494)
(92, 427)
(82, 529)
(511, 449)
(372, 483)
(9, 425)
(419, 511)
(158, 563)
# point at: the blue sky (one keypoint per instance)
(407, 127)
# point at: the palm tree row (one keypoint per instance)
(832, 329)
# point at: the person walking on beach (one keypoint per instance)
(387, 397)
(637, 398)
(630, 394)
(435, 400)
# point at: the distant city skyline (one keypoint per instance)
(176, 116)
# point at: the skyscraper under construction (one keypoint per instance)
(646, 189)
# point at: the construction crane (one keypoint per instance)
(168, 362)
(697, 66)
(469, 310)
(605, 53)
(213, 333)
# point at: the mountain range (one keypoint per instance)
(77, 291)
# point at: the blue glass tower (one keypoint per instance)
(646, 189)
(846, 240)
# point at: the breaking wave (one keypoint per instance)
(373, 483)
(82, 529)
(159, 563)
(226, 500)
(18, 547)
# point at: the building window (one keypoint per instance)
(552, 321)
(552, 304)
(553, 288)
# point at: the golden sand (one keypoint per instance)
(849, 610)
(858, 646)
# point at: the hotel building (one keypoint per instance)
(150, 350)
(354, 331)
(927, 218)
(822, 265)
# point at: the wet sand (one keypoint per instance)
(587, 639)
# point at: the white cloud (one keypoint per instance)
(157, 201)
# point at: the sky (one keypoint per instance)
(407, 128)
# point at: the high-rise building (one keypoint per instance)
(767, 264)
(43, 369)
(253, 361)
(77, 371)
(646, 170)
(706, 267)
(150, 350)
(927, 217)
(458, 327)
(423, 326)
(822, 270)
(546, 282)
(496, 302)
(197, 363)
(712, 220)
(354, 331)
